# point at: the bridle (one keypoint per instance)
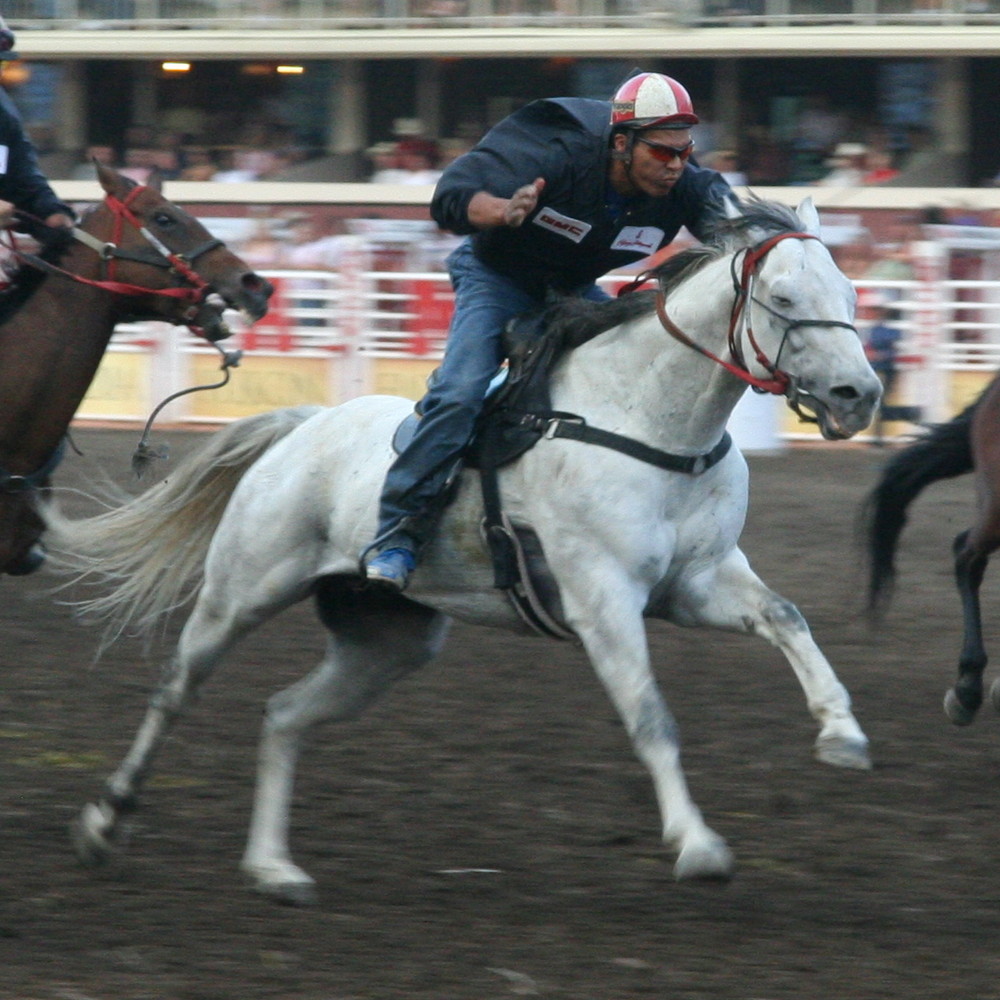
(780, 383)
(193, 289)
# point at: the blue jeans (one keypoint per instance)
(484, 303)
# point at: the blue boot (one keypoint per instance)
(392, 567)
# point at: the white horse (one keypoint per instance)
(622, 538)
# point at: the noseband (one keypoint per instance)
(194, 288)
(780, 383)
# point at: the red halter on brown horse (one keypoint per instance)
(135, 256)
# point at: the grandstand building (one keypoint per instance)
(339, 73)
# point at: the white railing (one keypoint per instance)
(349, 326)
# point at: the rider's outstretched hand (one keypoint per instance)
(523, 202)
(487, 211)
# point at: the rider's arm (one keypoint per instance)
(487, 211)
(21, 179)
(497, 182)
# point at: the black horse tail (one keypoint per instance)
(944, 452)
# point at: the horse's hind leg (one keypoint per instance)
(374, 639)
(734, 597)
(212, 628)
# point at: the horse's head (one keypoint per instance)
(166, 263)
(795, 325)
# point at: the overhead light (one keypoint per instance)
(291, 70)
(175, 67)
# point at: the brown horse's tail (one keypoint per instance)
(943, 452)
(144, 556)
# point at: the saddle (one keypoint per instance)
(511, 422)
(517, 414)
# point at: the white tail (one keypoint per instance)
(145, 558)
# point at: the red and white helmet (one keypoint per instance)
(652, 100)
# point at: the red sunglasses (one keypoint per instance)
(666, 153)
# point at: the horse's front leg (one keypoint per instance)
(732, 596)
(608, 620)
(962, 701)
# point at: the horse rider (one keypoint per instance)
(27, 201)
(554, 196)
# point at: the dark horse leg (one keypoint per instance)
(963, 700)
(972, 550)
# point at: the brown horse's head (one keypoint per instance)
(154, 261)
(190, 276)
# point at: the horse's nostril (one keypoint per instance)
(257, 285)
(845, 392)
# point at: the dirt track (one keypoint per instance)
(505, 755)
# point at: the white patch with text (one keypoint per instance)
(572, 229)
(638, 239)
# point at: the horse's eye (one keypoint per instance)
(163, 219)
(780, 302)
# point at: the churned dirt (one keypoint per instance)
(485, 832)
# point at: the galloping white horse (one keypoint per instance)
(623, 538)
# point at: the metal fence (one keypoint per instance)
(333, 336)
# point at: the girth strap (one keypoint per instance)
(567, 425)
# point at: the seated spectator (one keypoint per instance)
(418, 161)
(199, 164)
(140, 162)
(847, 166)
(879, 167)
(310, 246)
(245, 165)
(385, 164)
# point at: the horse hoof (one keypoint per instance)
(707, 862)
(289, 893)
(96, 836)
(839, 751)
(956, 711)
(281, 881)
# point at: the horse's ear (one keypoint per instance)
(809, 217)
(111, 180)
(155, 181)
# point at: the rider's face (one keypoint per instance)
(652, 170)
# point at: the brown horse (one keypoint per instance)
(134, 256)
(967, 443)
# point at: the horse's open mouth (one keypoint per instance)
(209, 317)
(830, 425)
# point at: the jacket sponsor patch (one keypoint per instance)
(638, 239)
(572, 229)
